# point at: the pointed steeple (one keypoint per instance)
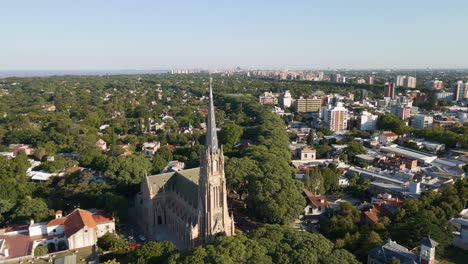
(211, 137)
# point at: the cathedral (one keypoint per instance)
(188, 207)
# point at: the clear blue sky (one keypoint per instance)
(151, 34)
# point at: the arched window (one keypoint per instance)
(215, 166)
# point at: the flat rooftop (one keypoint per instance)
(418, 155)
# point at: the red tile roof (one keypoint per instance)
(18, 245)
(390, 134)
(316, 200)
(102, 217)
(77, 220)
(56, 222)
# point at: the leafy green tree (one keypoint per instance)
(230, 135)
(160, 159)
(40, 250)
(152, 252)
(111, 242)
(239, 172)
(127, 170)
(391, 122)
(34, 208)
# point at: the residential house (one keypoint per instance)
(79, 229)
(15, 148)
(391, 250)
(150, 148)
(460, 236)
(101, 144)
(317, 206)
(387, 137)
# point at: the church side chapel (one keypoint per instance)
(188, 207)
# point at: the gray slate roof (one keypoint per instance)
(391, 250)
(184, 183)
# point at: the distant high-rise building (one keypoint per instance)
(399, 80)
(268, 98)
(336, 117)
(410, 82)
(372, 79)
(308, 104)
(286, 99)
(422, 121)
(368, 121)
(459, 91)
(320, 76)
(389, 90)
(465, 94)
(406, 81)
(438, 85)
(335, 77)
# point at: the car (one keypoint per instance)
(142, 237)
(130, 238)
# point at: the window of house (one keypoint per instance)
(54, 230)
(311, 210)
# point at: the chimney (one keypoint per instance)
(58, 214)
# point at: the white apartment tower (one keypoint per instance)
(368, 121)
(336, 117)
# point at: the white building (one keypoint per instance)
(286, 99)
(368, 121)
(422, 121)
(459, 91)
(335, 118)
(79, 229)
(406, 81)
(149, 148)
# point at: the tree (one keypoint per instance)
(230, 135)
(111, 242)
(314, 181)
(275, 199)
(111, 261)
(127, 170)
(391, 122)
(34, 208)
(41, 250)
(239, 172)
(152, 252)
(160, 159)
(340, 256)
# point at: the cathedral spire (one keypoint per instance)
(211, 137)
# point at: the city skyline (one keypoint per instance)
(144, 35)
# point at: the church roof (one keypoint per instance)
(184, 182)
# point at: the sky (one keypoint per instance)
(288, 34)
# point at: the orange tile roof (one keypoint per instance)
(77, 220)
(102, 217)
(56, 222)
(390, 134)
(316, 200)
(18, 245)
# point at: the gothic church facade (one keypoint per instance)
(188, 207)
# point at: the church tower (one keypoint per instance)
(213, 215)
